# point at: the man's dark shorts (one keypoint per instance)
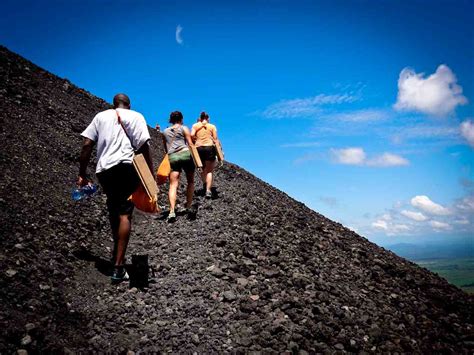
(207, 153)
(182, 160)
(119, 182)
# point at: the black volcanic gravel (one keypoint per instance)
(256, 270)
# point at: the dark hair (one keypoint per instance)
(121, 100)
(176, 117)
(204, 116)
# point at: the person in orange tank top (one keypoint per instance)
(204, 134)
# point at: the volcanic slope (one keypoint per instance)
(256, 270)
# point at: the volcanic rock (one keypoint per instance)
(320, 286)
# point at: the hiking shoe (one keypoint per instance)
(119, 274)
(171, 216)
(191, 212)
(208, 194)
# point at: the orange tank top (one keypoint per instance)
(205, 133)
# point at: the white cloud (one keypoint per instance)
(357, 156)
(461, 221)
(306, 107)
(397, 228)
(440, 225)
(416, 216)
(308, 157)
(380, 224)
(389, 228)
(387, 159)
(437, 95)
(457, 218)
(179, 38)
(349, 156)
(369, 115)
(301, 145)
(398, 204)
(466, 204)
(425, 204)
(467, 131)
(425, 132)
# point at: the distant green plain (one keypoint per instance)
(459, 272)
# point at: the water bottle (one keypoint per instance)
(84, 191)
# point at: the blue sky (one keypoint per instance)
(360, 109)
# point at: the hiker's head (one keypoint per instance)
(176, 117)
(121, 101)
(204, 116)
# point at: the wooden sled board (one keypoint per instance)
(145, 175)
(220, 152)
(195, 155)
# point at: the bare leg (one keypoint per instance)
(174, 182)
(190, 188)
(209, 178)
(123, 235)
(114, 224)
(203, 174)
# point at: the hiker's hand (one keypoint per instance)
(82, 181)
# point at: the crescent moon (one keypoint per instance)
(179, 39)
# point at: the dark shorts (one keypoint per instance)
(182, 161)
(119, 182)
(207, 153)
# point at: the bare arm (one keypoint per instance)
(164, 143)
(84, 159)
(145, 150)
(214, 135)
(187, 135)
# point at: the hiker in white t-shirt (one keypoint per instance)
(118, 133)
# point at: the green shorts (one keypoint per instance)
(181, 160)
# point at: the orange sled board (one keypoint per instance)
(148, 184)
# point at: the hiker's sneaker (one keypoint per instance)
(172, 217)
(119, 274)
(191, 212)
(208, 194)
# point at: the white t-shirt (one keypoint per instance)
(113, 145)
